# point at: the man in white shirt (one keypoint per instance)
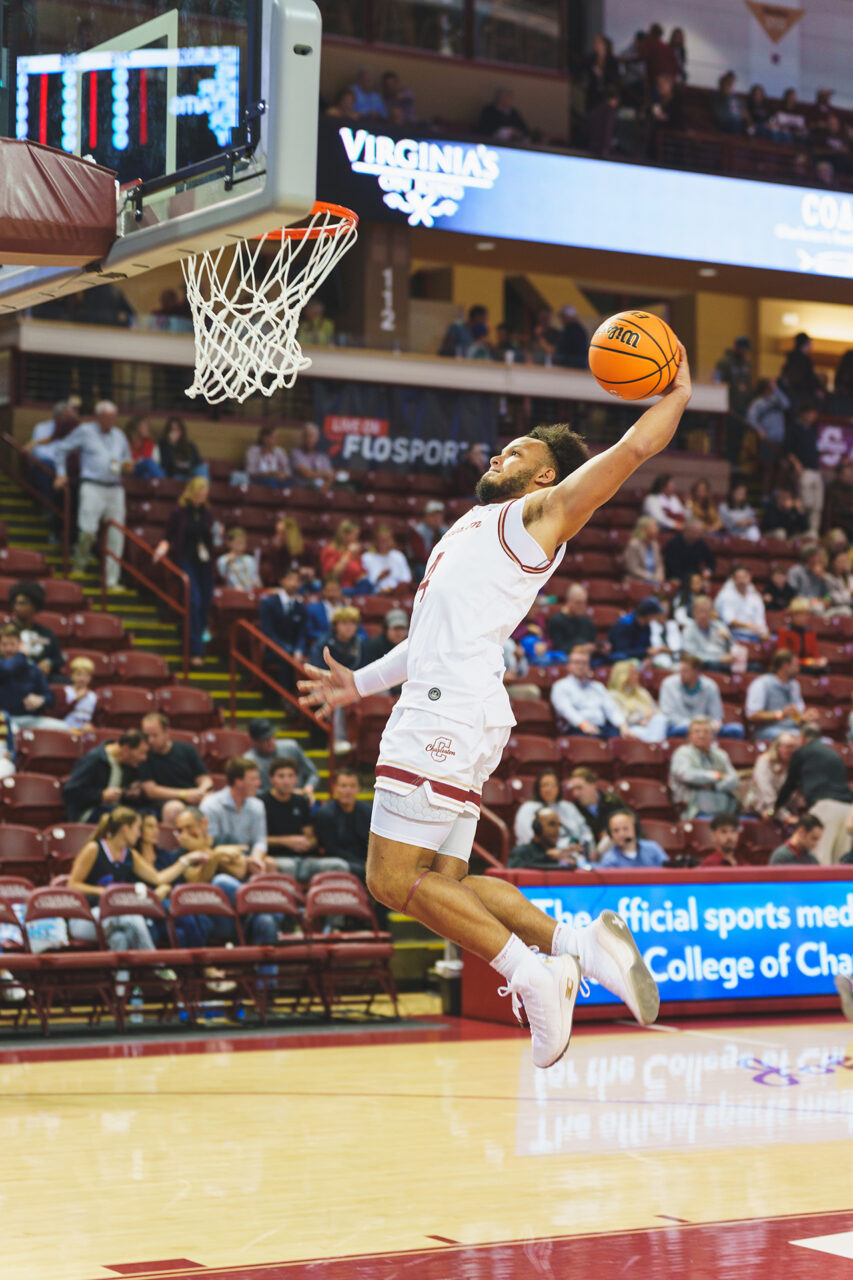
(104, 458)
(740, 606)
(385, 566)
(585, 704)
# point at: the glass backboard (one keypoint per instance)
(207, 112)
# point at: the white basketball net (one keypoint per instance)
(246, 308)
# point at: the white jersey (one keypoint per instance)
(481, 579)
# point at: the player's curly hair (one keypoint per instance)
(568, 450)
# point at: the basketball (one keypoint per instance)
(634, 355)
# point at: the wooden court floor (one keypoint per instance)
(703, 1150)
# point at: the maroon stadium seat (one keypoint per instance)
(144, 670)
(123, 706)
(31, 799)
(63, 841)
(218, 745)
(50, 751)
(646, 797)
(188, 708)
(22, 852)
(99, 631)
(18, 562)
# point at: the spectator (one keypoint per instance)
(799, 637)
(544, 337)
(665, 635)
(740, 606)
(666, 109)
(77, 699)
(602, 123)
(500, 120)
(188, 541)
(685, 597)
(173, 775)
(573, 834)
(840, 581)
(104, 457)
(630, 636)
(279, 554)
(768, 774)
(24, 691)
(38, 642)
(642, 558)
(660, 57)
(342, 824)
(735, 370)
(459, 337)
(571, 627)
(678, 44)
(144, 453)
(687, 552)
(760, 121)
(774, 701)
(701, 507)
(343, 108)
(626, 849)
(429, 531)
(386, 568)
(738, 515)
(315, 327)
(534, 646)
(727, 106)
(798, 849)
(368, 99)
(341, 558)
(471, 470)
(843, 378)
(290, 836)
(318, 614)
(395, 628)
(235, 815)
(784, 516)
(802, 454)
(798, 376)
(266, 748)
(766, 415)
(725, 834)
(663, 503)
(838, 507)
(179, 457)
(702, 779)
(593, 803)
(602, 70)
(644, 717)
(237, 566)
(686, 694)
(504, 349)
(266, 462)
(282, 618)
(310, 464)
(541, 850)
(46, 436)
(106, 776)
(808, 578)
(584, 704)
(343, 641)
(778, 592)
(572, 341)
(710, 639)
(819, 774)
(789, 118)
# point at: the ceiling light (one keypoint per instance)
(484, 245)
(791, 319)
(707, 271)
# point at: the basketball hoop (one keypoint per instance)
(246, 308)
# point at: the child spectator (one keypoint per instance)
(738, 516)
(799, 638)
(144, 453)
(238, 567)
(778, 592)
(77, 699)
(266, 462)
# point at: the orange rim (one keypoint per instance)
(345, 217)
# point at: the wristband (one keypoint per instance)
(384, 673)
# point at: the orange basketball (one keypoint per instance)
(634, 355)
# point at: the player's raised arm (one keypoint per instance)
(554, 515)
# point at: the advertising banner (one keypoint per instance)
(595, 204)
(723, 940)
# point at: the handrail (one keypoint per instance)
(242, 627)
(182, 610)
(502, 830)
(61, 508)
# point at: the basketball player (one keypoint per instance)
(448, 729)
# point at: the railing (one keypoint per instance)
(253, 663)
(496, 832)
(181, 609)
(19, 464)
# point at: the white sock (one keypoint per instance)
(510, 957)
(567, 940)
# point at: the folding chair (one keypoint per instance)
(355, 961)
(23, 853)
(297, 971)
(19, 969)
(78, 973)
(237, 963)
(144, 968)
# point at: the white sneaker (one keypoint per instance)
(611, 956)
(844, 986)
(547, 988)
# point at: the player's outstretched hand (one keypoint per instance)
(324, 690)
(681, 382)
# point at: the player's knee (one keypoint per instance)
(378, 884)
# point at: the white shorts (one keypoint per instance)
(413, 820)
(450, 760)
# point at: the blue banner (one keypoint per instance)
(723, 941)
(593, 204)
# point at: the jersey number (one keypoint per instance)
(430, 571)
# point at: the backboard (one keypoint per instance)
(207, 112)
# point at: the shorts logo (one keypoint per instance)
(440, 749)
(434, 695)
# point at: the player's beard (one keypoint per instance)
(494, 487)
